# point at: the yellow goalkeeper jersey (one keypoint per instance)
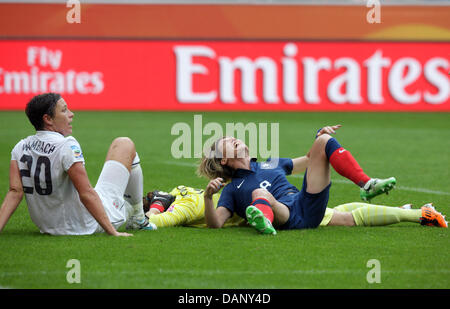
(188, 209)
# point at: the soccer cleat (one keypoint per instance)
(162, 197)
(431, 217)
(376, 187)
(256, 218)
(143, 224)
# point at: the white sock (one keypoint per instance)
(135, 189)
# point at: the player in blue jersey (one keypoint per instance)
(261, 193)
(185, 206)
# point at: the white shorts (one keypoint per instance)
(111, 186)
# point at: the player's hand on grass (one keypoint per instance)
(329, 130)
(122, 234)
(213, 187)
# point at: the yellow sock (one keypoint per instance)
(376, 215)
(350, 206)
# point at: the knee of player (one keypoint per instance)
(320, 144)
(347, 219)
(124, 143)
(260, 193)
(322, 140)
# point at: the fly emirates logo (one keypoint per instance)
(293, 78)
(44, 74)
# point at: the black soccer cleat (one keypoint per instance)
(162, 197)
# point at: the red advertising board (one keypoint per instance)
(228, 75)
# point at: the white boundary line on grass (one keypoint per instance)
(294, 271)
(210, 272)
(215, 272)
(421, 190)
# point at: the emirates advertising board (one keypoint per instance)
(228, 75)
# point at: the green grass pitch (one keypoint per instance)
(413, 147)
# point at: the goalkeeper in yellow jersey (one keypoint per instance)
(181, 206)
(184, 206)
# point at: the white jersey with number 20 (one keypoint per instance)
(53, 202)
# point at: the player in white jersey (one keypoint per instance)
(48, 168)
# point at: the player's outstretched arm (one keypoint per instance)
(299, 165)
(14, 195)
(214, 217)
(90, 198)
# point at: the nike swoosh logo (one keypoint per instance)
(341, 150)
(240, 184)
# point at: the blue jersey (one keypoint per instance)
(269, 175)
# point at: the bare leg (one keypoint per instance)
(318, 170)
(340, 218)
(280, 211)
(122, 149)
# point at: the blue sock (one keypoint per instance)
(332, 146)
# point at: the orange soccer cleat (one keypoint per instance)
(431, 217)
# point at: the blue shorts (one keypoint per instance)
(307, 210)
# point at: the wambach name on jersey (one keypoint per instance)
(40, 146)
